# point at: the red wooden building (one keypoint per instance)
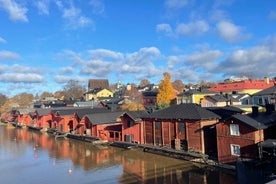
(40, 119)
(24, 117)
(180, 127)
(107, 126)
(240, 135)
(133, 127)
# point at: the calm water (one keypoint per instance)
(33, 157)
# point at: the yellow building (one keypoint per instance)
(193, 96)
(98, 93)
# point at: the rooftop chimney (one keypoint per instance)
(255, 110)
(266, 80)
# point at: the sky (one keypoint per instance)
(46, 43)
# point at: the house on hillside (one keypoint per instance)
(182, 126)
(219, 100)
(266, 96)
(193, 95)
(149, 98)
(98, 93)
(248, 86)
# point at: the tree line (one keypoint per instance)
(73, 90)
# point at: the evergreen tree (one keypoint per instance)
(166, 92)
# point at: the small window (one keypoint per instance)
(234, 129)
(235, 150)
(130, 123)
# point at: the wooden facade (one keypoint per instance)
(132, 131)
(178, 134)
(247, 140)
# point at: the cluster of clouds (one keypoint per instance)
(72, 15)
(147, 62)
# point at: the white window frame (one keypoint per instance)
(234, 148)
(234, 129)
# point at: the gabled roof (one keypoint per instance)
(136, 115)
(188, 111)
(80, 111)
(261, 120)
(104, 118)
(43, 112)
(268, 91)
(226, 111)
(196, 91)
(98, 83)
(222, 98)
(249, 121)
(152, 93)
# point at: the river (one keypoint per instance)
(33, 157)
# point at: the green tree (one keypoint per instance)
(166, 92)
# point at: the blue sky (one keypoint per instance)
(46, 43)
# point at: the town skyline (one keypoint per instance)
(46, 43)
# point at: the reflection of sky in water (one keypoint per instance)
(37, 158)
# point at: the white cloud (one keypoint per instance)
(192, 28)
(230, 32)
(8, 55)
(43, 6)
(205, 59)
(2, 40)
(98, 68)
(272, 15)
(164, 28)
(24, 69)
(175, 4)
(3, 68)
(258, 61)
(97, 6)
(73, 16)
(66, 78)
(143, 56)
(16, 11)
(104, 53)
(67, 70)
(21, 77)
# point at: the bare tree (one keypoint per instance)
(73, 90)
(144, 83)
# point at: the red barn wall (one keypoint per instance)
(246, 140)
(134, 130)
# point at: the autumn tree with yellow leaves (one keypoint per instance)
(166, 92)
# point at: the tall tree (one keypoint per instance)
(73, 90)
(3, 99)
(178, 85)
(166, 92)
(46, 94)
(144, 83)
(19, 101)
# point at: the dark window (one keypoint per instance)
(130, 123)
(181, 127)
(158, 125)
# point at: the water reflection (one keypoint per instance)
(38, 157)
